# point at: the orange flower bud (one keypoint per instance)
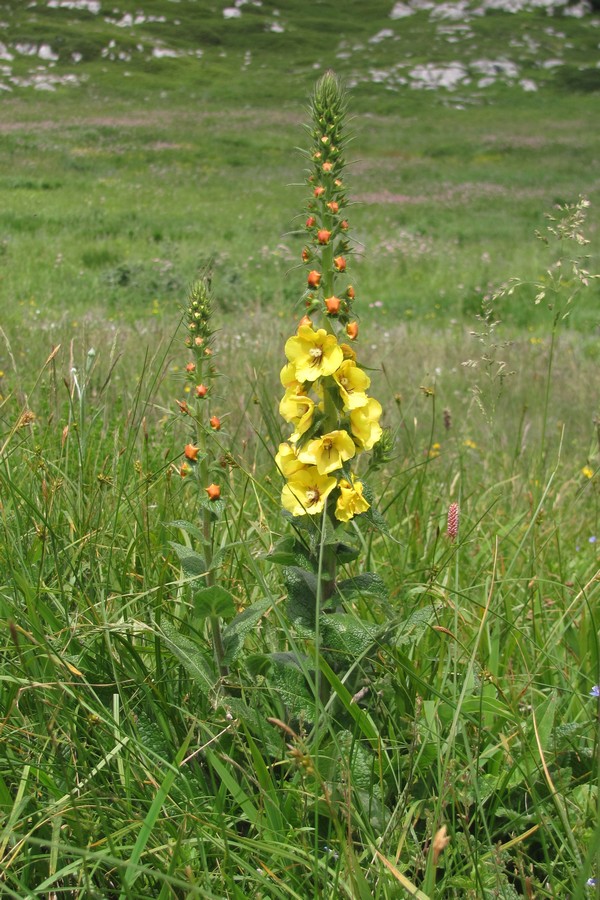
(311, 222)
(333, 206)
(352, 330)
(319, 191)
(201, 390)
(184, 470)
(191, 367)
(333, 305)
(305, 255)
(208, 351)
(213, 491)
(314, 279)
(350, 292)
(344, 225)
(338, 182)
(323, 236)
(304, 321)
(215, 423)
(340, 263)
(327, 166)
(183, 407)
(198, 341)
(191, 452)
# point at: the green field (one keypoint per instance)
(176, 720)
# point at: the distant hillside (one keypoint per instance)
(252, 51)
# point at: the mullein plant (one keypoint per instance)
(326, 401)
(199, 458)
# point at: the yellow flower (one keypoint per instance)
(329, 452)
(298, 409)
(288, 376)
(307, 491)
(587, 471)
(353, 383)
(287, 461)
(470, 444)
(313, 353)
(351, 501)
(294, 404)
(364, 423)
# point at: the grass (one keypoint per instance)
(454, 688)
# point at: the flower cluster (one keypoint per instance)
(199, 373)
(326, 400)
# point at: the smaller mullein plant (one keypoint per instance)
(200, 464)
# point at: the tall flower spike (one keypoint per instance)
(325, 400)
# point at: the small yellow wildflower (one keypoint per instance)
(329, 452)
(470, 444)
(434, 450)
(313, 353)
(351, 501)
(307, 491)
(587, 471)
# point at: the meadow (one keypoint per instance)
(203, 694)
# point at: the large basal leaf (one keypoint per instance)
(245, 622)
(192, 563)
(302, 601)
(288, 680)
(214, 601)
(347, 635)
(412, 629)
(196, 663)
(188, 527)
(368, 584)
(288, 552)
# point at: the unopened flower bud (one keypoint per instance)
(191, 452)
(191, 367)
(183, 407)
(201, 390)
(305, 255)
(184, 470)
(327, 166)
(333, 305)
(215, 423)
(305, 320)
(352, 330)
(311, 222)
(340, 263)
(213, 491)
(323, 236)
(350, 292)
(333, 206)
(314, 279)
(344, 225)
(319, 191)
